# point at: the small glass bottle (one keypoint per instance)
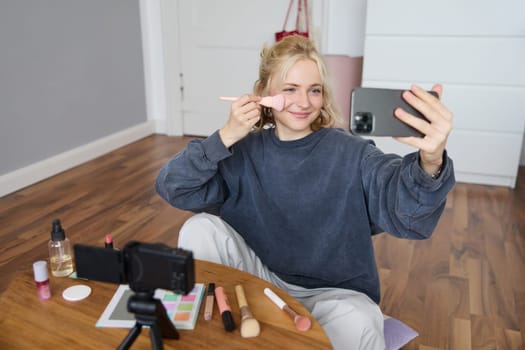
(42, 280)
(60, 259)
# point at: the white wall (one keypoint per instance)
(344, 27)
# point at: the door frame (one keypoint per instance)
(162, 61)
(160, 51)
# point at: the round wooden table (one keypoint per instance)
(28, 323)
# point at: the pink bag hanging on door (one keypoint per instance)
(302, 12)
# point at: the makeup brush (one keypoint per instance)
(302, 323)
(276, 102)
(249, 325)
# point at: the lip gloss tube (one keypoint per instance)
(42, 280)
(208, 309)
(225, 309)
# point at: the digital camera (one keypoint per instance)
(144, 266)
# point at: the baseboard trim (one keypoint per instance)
(41, 170)
(485, 179)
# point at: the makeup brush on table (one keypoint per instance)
(302, 323)
(249, 325)
(276, 102)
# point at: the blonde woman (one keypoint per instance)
(286, 196)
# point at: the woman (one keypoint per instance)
(287, 197)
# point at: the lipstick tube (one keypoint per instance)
(108, 241)
(225, 309)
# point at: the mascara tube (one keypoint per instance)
(225, 309)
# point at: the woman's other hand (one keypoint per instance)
(245, 112)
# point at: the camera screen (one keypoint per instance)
(99, 264)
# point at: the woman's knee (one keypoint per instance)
(198, 235)
(195, 229)
(349, 326)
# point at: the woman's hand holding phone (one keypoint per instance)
(436, 128)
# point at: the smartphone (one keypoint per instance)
(372, 113)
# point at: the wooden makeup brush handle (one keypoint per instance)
(241, 297)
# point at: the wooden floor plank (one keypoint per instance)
(482, 333)
(460, 331)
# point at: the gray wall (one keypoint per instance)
(71, 72)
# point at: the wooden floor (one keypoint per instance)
(462, 289)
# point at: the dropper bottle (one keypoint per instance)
(60, 259)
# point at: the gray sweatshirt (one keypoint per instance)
(308, 208)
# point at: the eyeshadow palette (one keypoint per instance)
(182, 310)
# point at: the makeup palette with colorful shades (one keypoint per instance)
(182, 310)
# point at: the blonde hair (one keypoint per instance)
(277, 60)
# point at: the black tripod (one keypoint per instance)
(149, 311)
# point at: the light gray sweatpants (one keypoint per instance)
(350, 319)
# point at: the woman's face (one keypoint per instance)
(302, 89)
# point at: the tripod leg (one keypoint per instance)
(165, 327)
(130, 338)
(149, 312)
(156, 337)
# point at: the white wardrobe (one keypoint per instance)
(476, 49)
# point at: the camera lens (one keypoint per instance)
(363, 122)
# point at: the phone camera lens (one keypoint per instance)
(363, 122)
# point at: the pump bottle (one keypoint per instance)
(60, 259)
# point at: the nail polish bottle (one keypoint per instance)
(42, 280)
(60, 259)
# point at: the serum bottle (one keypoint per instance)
(60, 259)
(42, 280)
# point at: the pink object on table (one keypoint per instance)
(302, 323)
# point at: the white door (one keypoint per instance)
(220, 44)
